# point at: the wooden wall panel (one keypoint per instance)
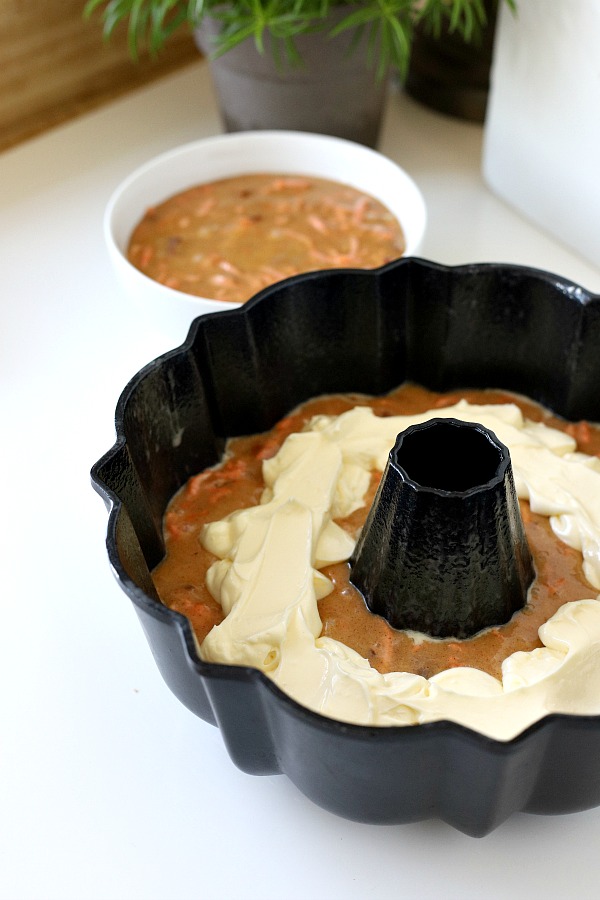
(54, 65)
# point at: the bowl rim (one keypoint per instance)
(252, 141)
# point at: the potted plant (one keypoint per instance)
(312, 65)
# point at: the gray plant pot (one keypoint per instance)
(333, 92)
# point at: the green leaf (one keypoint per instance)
(389, 24)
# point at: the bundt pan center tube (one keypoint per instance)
(443, 551)
(238, 372)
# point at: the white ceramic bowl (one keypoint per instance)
(234, 154)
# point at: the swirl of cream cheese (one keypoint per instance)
(268, 582)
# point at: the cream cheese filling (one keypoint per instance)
(268, 582)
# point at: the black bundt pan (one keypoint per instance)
(238, 372)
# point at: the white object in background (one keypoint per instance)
(542, 133)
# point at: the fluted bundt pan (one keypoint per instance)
(238, 372)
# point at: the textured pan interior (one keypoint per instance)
(483, 325)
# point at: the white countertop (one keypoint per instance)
(109, 787)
